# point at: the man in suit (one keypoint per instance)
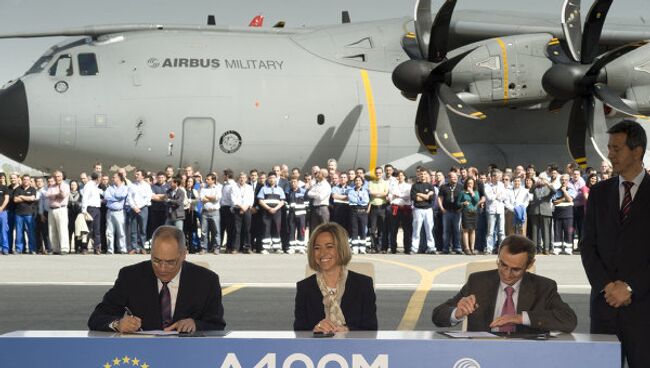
(164, 293)
(614, 249)
(176, 204)
(509, 298)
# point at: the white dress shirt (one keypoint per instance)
(242, 195)
(139, 194)
(635, 188)
(495, 195)
(516, 197)
(213, 191)
(90, 196)
(400, 194)
(320, 193)
(226, 199)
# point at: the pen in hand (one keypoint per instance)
(127, 312)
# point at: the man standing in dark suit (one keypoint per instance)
(615, 251)
(164, 293)
(176, 204)
(509, 298)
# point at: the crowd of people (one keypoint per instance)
(461, 211)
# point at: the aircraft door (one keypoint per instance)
(198, 143)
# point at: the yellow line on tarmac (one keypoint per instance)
(416, 303)
(231, 289)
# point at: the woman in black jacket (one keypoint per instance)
(334, 299)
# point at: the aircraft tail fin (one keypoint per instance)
(257, 21)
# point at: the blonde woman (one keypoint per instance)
(334, 299)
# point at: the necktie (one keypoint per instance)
(508, 309)
(627, 200)
(165, 305)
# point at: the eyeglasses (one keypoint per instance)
(162, 263)
(512, 270)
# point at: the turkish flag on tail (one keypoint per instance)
(257, 21)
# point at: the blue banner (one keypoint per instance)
(417, 350)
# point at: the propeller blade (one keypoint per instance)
(556, 53)
(611, 98)
(411, 47)
(455, 104)
(449, 64)
(593, 29)
(424, 121)
(597, 128)
(577, 129)
(612, 55)
(556, 105)
(444, 136)
(440, 32)
(423, 22)
(572, 27)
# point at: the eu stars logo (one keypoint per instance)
(125, 362)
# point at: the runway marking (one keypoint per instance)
(416, 303)
(231, 289)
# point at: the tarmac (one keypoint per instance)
(59, 292)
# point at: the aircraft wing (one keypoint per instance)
(470, 26)
(101, 30)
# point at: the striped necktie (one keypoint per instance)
(627, 200)
(165, 305)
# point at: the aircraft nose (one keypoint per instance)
(14, 122)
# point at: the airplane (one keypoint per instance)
(216, 96)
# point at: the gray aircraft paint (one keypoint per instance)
(128, 137)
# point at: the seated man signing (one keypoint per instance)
(509, 298)
(163, 293)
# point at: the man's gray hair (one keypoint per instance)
(169, 232)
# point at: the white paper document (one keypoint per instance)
(471, 335)
(156, 333)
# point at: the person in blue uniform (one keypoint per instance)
(297, 204)
(359, 199)
(271, 200)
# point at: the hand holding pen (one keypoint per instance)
(129, 323)
(466, 306)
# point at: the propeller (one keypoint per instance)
(428, 74)
(580, 76)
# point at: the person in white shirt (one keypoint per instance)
(58, 196)
(319, 194)
(399, 195)
(91, 204)
(210, 196)
(138, 201)
(495, 194)
(516, 202)
(226, 220)
(42, 232)
(242, 198)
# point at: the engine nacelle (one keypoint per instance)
(503, 71)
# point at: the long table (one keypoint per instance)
(284, 349)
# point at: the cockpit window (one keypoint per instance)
(88, 64)
(40, 64)
(62, 67)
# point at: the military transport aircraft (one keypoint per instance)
(459, 87)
